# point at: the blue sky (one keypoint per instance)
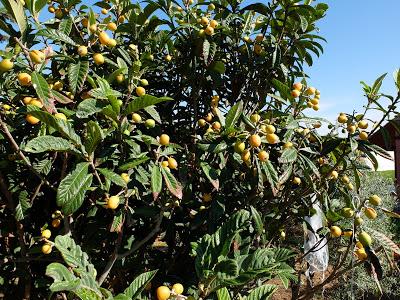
(362, 44)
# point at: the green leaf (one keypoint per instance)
(94, 136)
(72, 189)
(223, 294)
(64, 280)
(214, 148)
(227, 268)
(16, 9)
(59, 272)
(65, 25)
(263, 292)
(48, 143)
(144, 101)
(64, 127)
(173, 185)
(153, 113)
(259, 225)
(133, 163)
(303, 23)
(43, 166)
(77, 74)
(73, 255)
(57, 96)
(117, 222)
(134, 290)
(282, 88)
(156, 181)
(288, 155)
(206, 50)
(113, 177)
(234, 114)
(23, 206)
(270, 173)
(211, 174)
(56, 35)
(78, 261)
(42, 88)
(89, 107)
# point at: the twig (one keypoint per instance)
(36, 192)
(145, 239)
(95, 173)
(26, 52)
(112, 260)
(21, 155)
(136, 246)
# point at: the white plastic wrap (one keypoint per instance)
(318, 257)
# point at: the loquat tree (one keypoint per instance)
(162, 150)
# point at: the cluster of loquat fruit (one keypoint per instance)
(46, 233)
(175, 292)
(364, 240)
(312, 95)
(353, 123)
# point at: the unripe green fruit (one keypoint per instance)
(347, 212)
(358, 221)
(365, 239)
(150, 123)
(239, 147)
(375, 200)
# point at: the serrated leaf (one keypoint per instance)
(73, 254)
(23, 206)
(60, 98)
(72, 189)
(94, 136)
(270, 173)
(156, 181)
(263, 292)
(144, 101)
(77, 74)
(66, 26)
(56, 35)
(211, 174)
(64, 127)
(214, 148)
(43, 166)
(89, 107)
(173, 185)
(259, 225)
(113, 177)
(42, 90)
(288, 155)
(133, 163)
(303, 23)
(134, 290)
(48, 143)
(153, 113)
(206, 50)
(227, 268)
(234, 114)
(59, 272)
(223, 294)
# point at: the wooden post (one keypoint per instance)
(397, 159)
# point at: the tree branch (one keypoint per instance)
(21, 155)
